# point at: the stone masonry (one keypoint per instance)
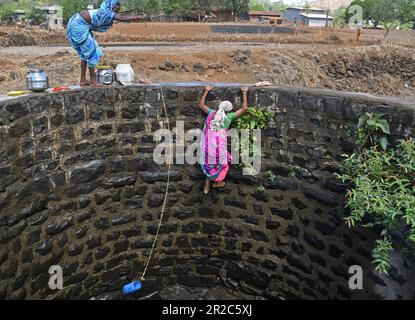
(79, 188)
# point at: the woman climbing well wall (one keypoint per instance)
(215, 157)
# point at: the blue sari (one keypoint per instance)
(80, 36)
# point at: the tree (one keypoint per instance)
(279, 6)
(366, 6)
(406, 10)
(260, 5)
(153, 6)
(7, 12)
(135, 5)
(387, 12)
(179, 7)
(238, 7)
(340, 16)
(70, 7)
(268, 5)
(36, 16)
(307, 7)
(376, 10)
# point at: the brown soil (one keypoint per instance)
(380, 70)
(204, 32)
(336, 63)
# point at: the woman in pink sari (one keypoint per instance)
(215, 157)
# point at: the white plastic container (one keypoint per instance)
(125, 74)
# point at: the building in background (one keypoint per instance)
(316, 20)
(265, 16)
(54, 17)
(312, 17)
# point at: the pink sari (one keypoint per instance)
(215, 157)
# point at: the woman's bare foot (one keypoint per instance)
(145, 81)
(84, 83)
(219, 184)
(96, 84)
(206, 189)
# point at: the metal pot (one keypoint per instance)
(37, 80)
(104, 75)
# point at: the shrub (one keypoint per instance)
(383, 186)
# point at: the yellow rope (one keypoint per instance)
(168, 177)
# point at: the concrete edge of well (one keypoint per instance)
(385, 100)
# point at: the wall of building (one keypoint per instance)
(295, 14)
(79, 188)
(312, 22)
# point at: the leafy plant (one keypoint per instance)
(372, 129)
(70, 7)
(383, 186)
(294, 169)
(261, 189)
(36, 15)
(381, 254)
(7, 12)
(271, 176)
(254, 118)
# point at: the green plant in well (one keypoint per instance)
(382, 193)
(261, 189)
(372, 129)
(253, 119)
(294, 169)
(271, 176)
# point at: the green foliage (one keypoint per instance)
(271, 176)
(70, 7)
(36, 15)
(366, 6)
(261, 189)
(372, 129)
(340, 16)
(7, 12)
(254, 118)
(178, 7)
(381, 255)
(383, 186)
(238, 7)
(388, 12)
(294, 169)
(268, 5)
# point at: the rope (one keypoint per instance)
(168, 178)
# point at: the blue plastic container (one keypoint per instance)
(132, 287)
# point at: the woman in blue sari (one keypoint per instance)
(79, 33)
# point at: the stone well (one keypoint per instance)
(79, 188)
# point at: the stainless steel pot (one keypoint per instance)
(37, 80)
(104, 75)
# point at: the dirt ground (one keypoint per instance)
(206, 32)
(193, 52)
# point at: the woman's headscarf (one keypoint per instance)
(110, 4)
(102, 20)
(219, 120)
